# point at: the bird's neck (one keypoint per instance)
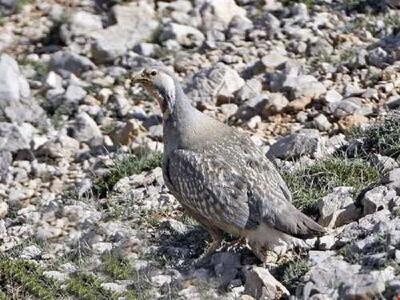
(186, 127)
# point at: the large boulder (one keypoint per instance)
(295, 145)
(14, 137)
(16, 103)
(7, 6)
(130, 29)
(85, 129)
(221, 11)
(262, 285)
(186, 36)
(80, 23)
(5, 162)
(68, 62)
(303, 86)
(218, 82)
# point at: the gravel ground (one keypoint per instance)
(84, 213)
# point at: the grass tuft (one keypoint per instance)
(308, 3)
(26, 279)
(311, 183)
(23, 279)
(383, 137)
(290, 273)
(88, 286)
(20, 5)
(124, 166)
(40, 67)
(117, 267)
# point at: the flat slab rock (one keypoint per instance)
(16, 103)
(262, 285)
(209, 84)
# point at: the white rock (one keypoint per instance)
(274, 59)
(262, 285)
(322, 123)
(85, 129)
(185, 35)
(83, 23)
(101, 247)
(223, 10)
(56, 275)
(160, 280)
(304, 86)
(130, 29)
(3, 209)
(113, 287)
(74, 93)
(332, 96)
(53, 80)
(217, 82)
(30, 252)
(15, 101)
(377, 199)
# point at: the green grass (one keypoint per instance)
(20, 4)
(124, 166)
(23, 279)
(88, 287)
(310, 183)
(289, 273)
(383, 137)
(108, 128)
(116, 266)
(364, 6)
(40, 67)
(26, 278)
(309, 3)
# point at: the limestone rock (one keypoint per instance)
(15, 137)
(85, 129)
(130, 29)
(16, 103)
(295, 145)
(185, 35)
(338, 208)
(377, 199)
(67, 61)
(219, 81)
(262, 285)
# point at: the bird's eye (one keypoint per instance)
(153, 73)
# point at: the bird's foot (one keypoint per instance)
(202, 259)
(271, 260)
(234, 243)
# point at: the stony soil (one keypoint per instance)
(84, 213)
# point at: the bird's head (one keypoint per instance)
(160, 84)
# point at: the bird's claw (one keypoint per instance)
(234, 243)
(202, 259)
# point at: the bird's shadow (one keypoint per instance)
(180, 247)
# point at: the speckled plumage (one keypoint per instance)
(223, 180)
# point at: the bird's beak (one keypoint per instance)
(137, 77)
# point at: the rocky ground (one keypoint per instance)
(84, 213)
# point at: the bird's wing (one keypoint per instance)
(266, 167)
(241, 197)
(210, 186)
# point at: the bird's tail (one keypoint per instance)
(307, 228)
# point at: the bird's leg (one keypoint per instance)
(270, 259)
(212, 247)
(234, 243)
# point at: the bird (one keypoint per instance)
(221, 178)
